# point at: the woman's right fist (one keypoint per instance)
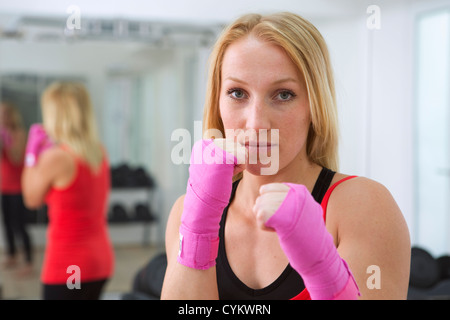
(207, 194)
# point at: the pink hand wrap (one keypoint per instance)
(38, 141)
(207, 194)
(309, 247)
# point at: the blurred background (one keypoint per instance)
(144, 63)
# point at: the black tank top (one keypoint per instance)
(287, 285)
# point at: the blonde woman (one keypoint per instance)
(67, 168)
(303, 232)
(13, 141)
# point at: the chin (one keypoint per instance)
(259, 169)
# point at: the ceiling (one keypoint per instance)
(194, 11)
(153, 21)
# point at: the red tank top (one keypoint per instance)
(304, 295)
(11, 174)
(77, 232)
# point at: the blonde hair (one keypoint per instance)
(306, 47)
(68, 118)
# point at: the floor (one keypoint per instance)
(129, 259)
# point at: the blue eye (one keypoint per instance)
(285, 95)
(236, 93)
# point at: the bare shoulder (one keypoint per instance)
(360, 193)
(369, 229)
(54, 154)
(56, 158)
(361, 190)
(58, 164)
(363, 202)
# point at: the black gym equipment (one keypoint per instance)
(444, 266)
(429, 277)
(424, 269)
(123, 176)
(143, 213)
(148, 281)
(118, 214)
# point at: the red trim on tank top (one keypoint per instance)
(325, 199)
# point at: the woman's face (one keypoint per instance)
(263, 96)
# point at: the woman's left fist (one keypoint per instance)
(270, 198)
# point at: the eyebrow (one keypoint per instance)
(289, 79)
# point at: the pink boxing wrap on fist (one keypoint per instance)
(38, 141)
(310, 248)
(207, 194)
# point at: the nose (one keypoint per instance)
(258, 116)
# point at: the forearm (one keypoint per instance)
(310, 247)
(184, 283)
(192, 238)
(32, 196)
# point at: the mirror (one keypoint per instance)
(146, 79)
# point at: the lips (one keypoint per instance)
(257, 144)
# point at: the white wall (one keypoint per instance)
(373, 69)
(375, 72)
